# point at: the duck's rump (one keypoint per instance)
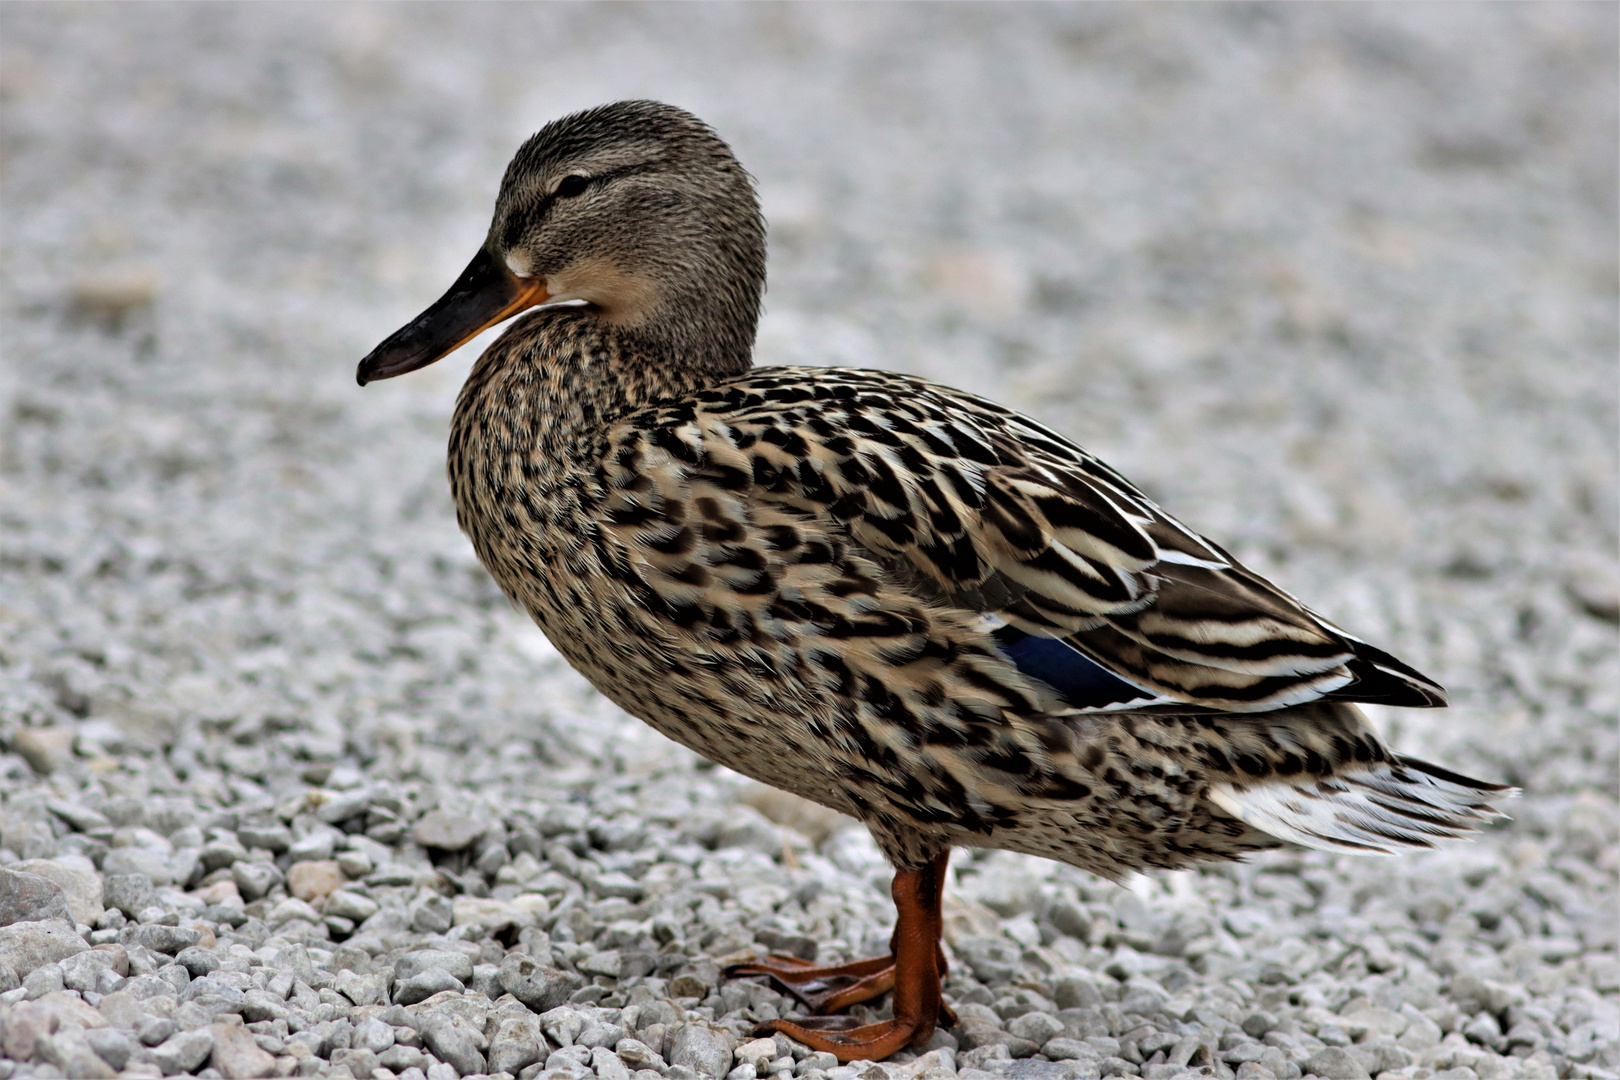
(1165, 791)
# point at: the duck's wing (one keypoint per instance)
(1086, 584)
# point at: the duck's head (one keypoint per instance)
(638, 210)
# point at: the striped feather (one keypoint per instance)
(971, 504)
(1383, 810)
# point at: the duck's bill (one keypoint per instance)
(485, 294)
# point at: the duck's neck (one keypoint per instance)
(555, 381)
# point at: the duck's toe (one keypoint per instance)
(869, 1042)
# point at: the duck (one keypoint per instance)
(896, 599)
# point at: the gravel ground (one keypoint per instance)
(289, 790)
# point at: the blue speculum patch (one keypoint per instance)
(1081, 681)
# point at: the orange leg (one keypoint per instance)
(913, 970)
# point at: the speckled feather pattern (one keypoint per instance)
(795, 572)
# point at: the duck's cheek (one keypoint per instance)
(623, 296)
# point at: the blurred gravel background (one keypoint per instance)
(1337, 284)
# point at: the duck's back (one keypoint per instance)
(921, 608)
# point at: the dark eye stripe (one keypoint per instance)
(512, 233)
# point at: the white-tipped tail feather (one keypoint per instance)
(1379, 810)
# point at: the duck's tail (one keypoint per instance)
(1380, 809)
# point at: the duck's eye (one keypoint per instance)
(571, 186)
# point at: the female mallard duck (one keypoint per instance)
(894, 598)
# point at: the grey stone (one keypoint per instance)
(270, 835)
(369, 989)
(30, 898)
(1076, 989)
(454, 1040)
(315, 847)
(574, 1058)
(704, 1048)
(45, 979)
(71, 1052)
(518, 1043)
(198, 961)
(1373, 1022)
(8, 978)
(214, 995)
(1049, 1070)
(100, 969)
(350, 905)
(1382, 1055)
(399, 1058)
(260, 1005)
(1242, 1052)
(255, 879)
(46, 749)
(341, 806)
(176, 976)
(432, 914)
(237, 1055)
(458, 965)
(183, 1052)
(976, 1034)
(359, 1062)
(27, 945)
(1474, 994)
(1065, 1049)
(562, 1024)
(607, 1066)
(539, 987)
(599, 1033)
(446, 831)
(606, 963)
(994, 960)
(1037, 1027)
(152, 1030)
(982, 1057)
(818, 1060)
(82, 818)
(486, 981)
(150, 863)
(78, 880)
(374, 1035)
(160, 938)
(423, 985)
(1484, 1030)
(617, 883)
(222, 851)
(1335, 1063)
(129, 893)
(113, 1046)
(1142, 999)
(158, 915)
(637, 1055)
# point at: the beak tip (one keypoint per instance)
(485, 294)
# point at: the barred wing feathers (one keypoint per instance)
(970, 504)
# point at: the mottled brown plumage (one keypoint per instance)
(893, 598)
